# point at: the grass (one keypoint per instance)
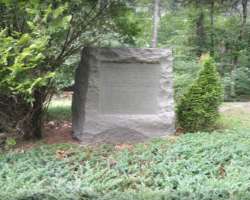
(202, 166)
(235, 115)
(59, 110)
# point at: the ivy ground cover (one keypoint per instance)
(193, 166)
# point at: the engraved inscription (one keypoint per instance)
(129, 88)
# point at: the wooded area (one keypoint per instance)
(218, 27)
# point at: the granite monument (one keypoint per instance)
(119, 89)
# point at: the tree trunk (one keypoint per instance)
(212, 28)
(102, 4)
(232, 77)
(37, 116)
(156, 20)
(200, 30)
(244, 16)
(32, 126)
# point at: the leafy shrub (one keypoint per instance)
(21, 73)
(21, 56)
(198, 108)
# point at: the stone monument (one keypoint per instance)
(119, 89)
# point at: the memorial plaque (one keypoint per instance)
(129, 88)
(124, 90)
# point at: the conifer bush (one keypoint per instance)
(198, 108)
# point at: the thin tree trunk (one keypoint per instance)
(37, 115)
(156, 20)
(232, 76)
(102, 4)
(200, 30)
(212, 28)
(244, 16)
(32, 125)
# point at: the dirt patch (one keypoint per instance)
(54, 133)
(61, 132)
(58, 132)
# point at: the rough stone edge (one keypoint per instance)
(167, 86)
(166, 74)
(80, 94)
(130, 55)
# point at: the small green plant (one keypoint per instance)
(198, 108)
(10, 142)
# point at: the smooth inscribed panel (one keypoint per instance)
(129, 88)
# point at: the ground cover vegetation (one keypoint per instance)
(40, 44)
(192, 166)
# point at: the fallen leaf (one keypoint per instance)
(123, 146)
(61, 154)
(222, 171)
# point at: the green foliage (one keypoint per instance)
(39, 42)
(10, 142)
(67, 26)
(198, 108)
(198, 166)
(182, 29)
(185, 71)
(20, 60)
(175, 30)
(243, 81)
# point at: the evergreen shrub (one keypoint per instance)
(198, 108)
